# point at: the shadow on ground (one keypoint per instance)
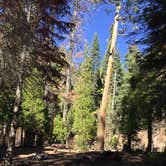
(49, 157)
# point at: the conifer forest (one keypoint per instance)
(83, 82)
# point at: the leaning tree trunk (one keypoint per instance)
(102, 113)
(114, 92)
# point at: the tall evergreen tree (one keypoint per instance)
(151, 25)
(28, 29)
(95, 55)
(83, 118)
(33, 118)
(130, 115)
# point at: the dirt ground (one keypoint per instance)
(64, 157)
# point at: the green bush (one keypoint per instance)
(59, 131)
(114, 142)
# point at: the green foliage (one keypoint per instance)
(33, 103)
(97, 85)
(95, 53)
(59, 131)
(152, 73)
(128, 95)
(114, 142)
(6, 99)
(84, 125)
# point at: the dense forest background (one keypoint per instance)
(46, 98)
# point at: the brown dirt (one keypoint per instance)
(65, 157)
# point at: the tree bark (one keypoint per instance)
(114, 92)
(149, 147)
(48, 129)
(102, 113)
(129, 138)
(69, 70)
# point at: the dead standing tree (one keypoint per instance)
(103, 106)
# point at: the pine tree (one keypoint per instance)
(95, 55)
(33, 118)
(130, 115)
(83, 118)
(29, 35)
(153, 67)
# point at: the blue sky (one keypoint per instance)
(100, 21)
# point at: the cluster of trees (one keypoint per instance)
(148, 78)
(30, 65)
(50, 105)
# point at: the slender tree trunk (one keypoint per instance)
(149, 147)
(4, 136)
(22, 134)
(46, 102)
(129, 138)
(69, 71)
(102, 113)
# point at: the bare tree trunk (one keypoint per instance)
(149, 148)
(129, 139)
(102, 113)
(114, 91)
(46, 102)
(109, 132)
(69, 70)
(4, 136)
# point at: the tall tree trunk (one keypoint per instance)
(149, 147)
(22, 135)
(69, 71)
(129, 138)
(111, 131)
(13, 126)
(102, 113)
(46, 102)
(114, 91)
(17, 103)
(4, 137)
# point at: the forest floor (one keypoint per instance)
(64, 157)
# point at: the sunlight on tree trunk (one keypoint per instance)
(102, 113)
(114, 91)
